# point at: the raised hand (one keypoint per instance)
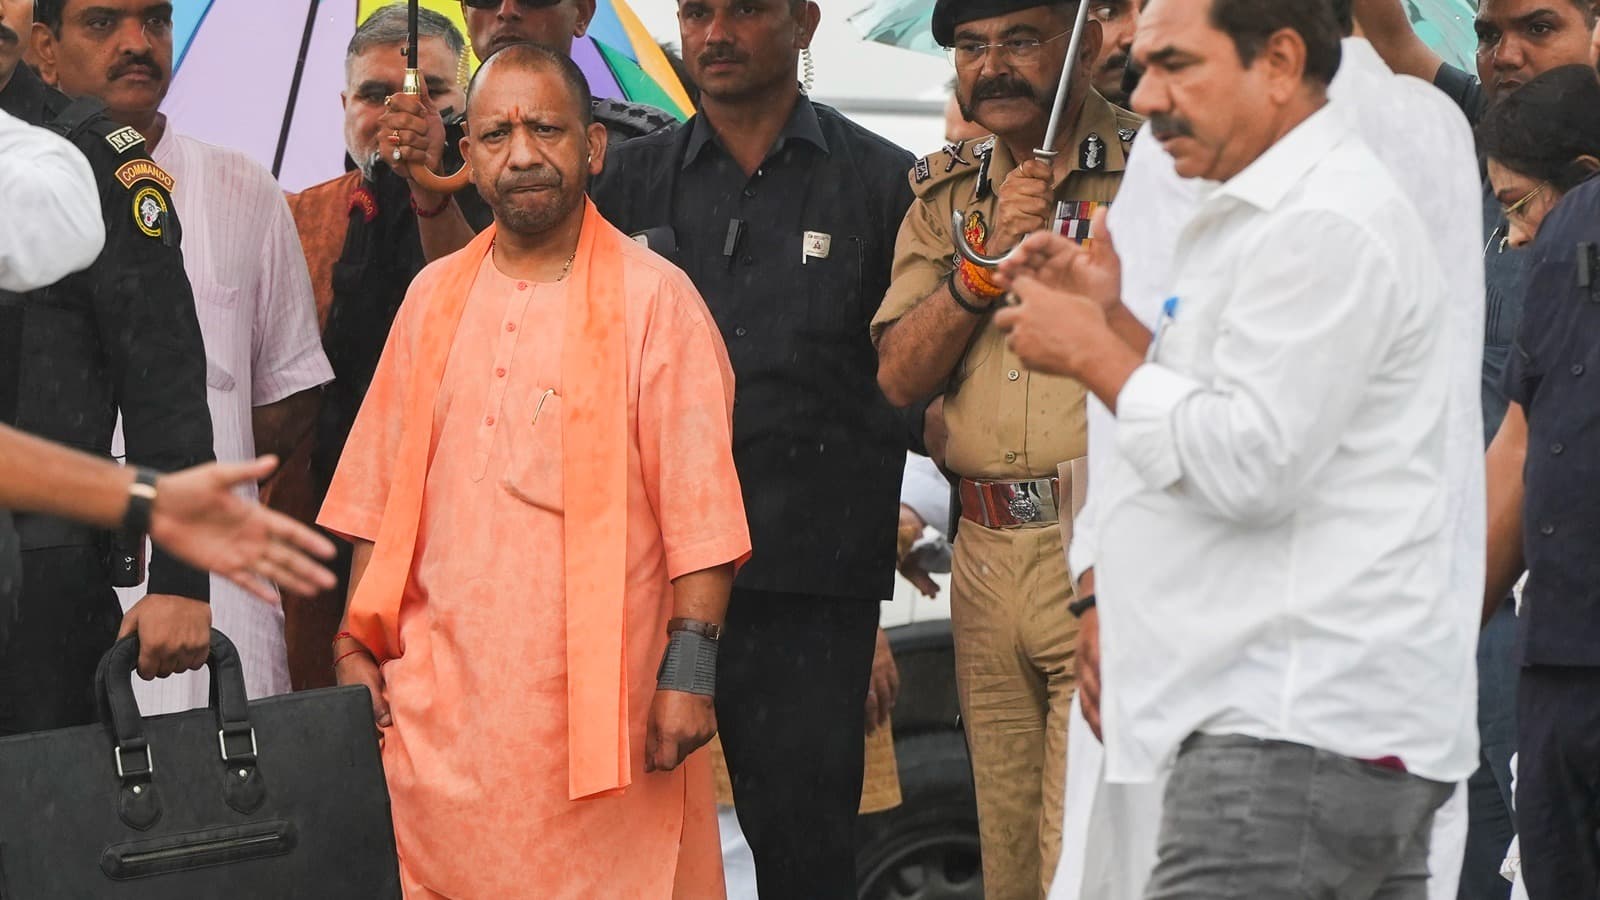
(198, 518)
(1093, 270)
(411, 126)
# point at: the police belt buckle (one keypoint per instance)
(1010, 504)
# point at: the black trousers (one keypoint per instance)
(1558, 781)
(67, 618)
(791, 696)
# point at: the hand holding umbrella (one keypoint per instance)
(420, 172)
(1045, 154)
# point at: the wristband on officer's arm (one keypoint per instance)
(1081, 606)
(958, 277)
(690, 663)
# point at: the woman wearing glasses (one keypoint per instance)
(1543, 149)
(1541, 142)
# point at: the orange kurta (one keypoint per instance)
(477, 757)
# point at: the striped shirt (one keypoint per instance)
(259, 320)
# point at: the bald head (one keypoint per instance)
(536, 58)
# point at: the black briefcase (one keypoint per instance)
(280, 798)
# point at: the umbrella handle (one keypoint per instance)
(428, 181)
(958, 220)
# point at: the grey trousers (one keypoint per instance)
(1247, 819)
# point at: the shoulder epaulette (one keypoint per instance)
(1128, 124)
(957, 160)
(87, 114)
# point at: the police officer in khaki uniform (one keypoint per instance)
(1009, 430)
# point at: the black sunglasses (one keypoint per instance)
(495, 4)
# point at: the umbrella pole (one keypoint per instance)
(413, 84)
(1046, 153)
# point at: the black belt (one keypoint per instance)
(46, 532)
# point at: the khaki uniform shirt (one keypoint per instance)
(1005, 423)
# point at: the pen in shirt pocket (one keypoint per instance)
(549, 392)
(1169, 314)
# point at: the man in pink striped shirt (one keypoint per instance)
(264, 359)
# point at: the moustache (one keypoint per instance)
(720, 54)
(1165, 127)
(1002, 88)
(539, 178)
(1117, 63)
(143, 64)
(7, 36)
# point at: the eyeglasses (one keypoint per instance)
(1516, 208)
(1015, 50)
(495, 4)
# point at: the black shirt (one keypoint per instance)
(1505, 268)
(1553, 376)
(120, 335)
(819, 450)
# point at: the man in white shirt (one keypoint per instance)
(1279, 511)
(264, 358)
(45, 179)
(1427, 146)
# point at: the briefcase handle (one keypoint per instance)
(132, 754)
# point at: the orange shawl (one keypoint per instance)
(594, 423)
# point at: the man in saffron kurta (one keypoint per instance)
(540, 476)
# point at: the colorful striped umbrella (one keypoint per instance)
(637, 65)
(280, 104)
(618, 56)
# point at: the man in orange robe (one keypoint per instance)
(541, 492)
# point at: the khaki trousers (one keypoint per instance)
(1014, 643)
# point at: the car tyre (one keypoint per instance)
(926, 848)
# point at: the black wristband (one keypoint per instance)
(141, 500)
(689, 665)
(1080, 606)
(955, 294)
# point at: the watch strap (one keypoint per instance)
(708, 630)
(141, 501)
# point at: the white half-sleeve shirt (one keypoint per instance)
(55, 223)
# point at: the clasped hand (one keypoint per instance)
(412, 134)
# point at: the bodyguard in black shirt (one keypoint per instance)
(1551, 382)
(120, 335)
(1517, 41)
(784, 214)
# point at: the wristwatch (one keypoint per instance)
(141, 500)
(707, 630)
(1081, 606)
